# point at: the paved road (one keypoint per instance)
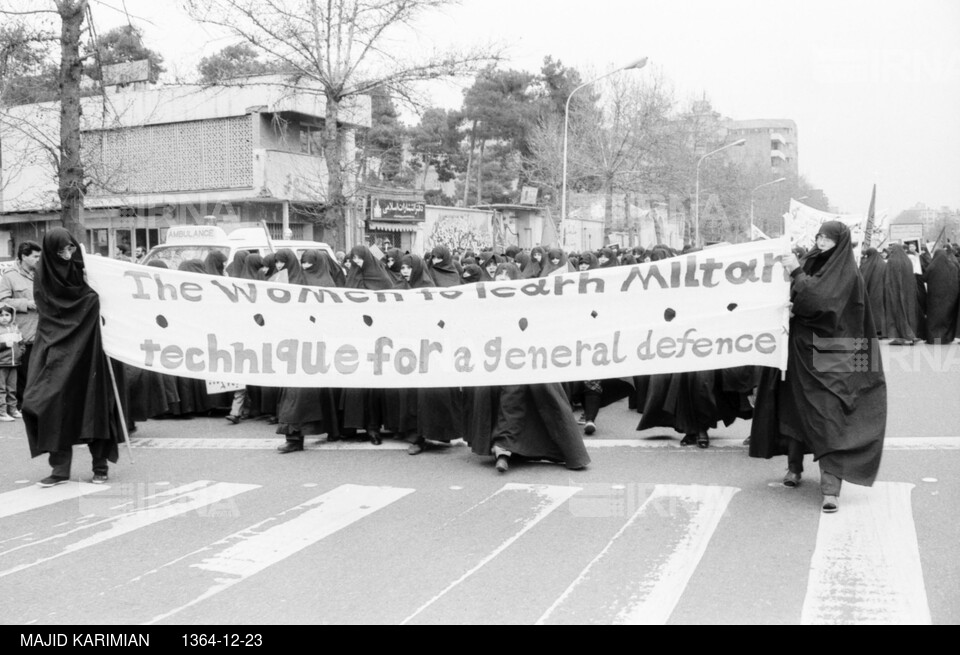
(211, 527)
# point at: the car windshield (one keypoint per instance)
(172, 256)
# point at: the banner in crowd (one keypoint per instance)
(718, 308)
(802, 224)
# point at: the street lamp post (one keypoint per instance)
(696, 209)
(777, 181)
(639, 63)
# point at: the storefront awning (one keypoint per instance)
(392, 227)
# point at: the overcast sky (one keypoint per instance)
(874, 87)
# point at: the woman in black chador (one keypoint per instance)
(900, 302)
(833, 402)
(304, 410)
(943, 288)
(873, 271)
(68, 398)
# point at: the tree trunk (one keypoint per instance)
(70, 173)
(335, 211)
(607, 213)
(466, 178)
(483, 143)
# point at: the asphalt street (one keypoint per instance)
(209, 526)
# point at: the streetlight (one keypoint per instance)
(639, 63)
(696, 216)
(777, 181)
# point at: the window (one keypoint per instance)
(311, 141)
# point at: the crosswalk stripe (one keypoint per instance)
(548, 498)
(866, 565)
(694, 512)
(250, 551)
(30, 498)
(157, 507)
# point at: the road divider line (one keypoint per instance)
(548, 498)
(34, 497)
(252, 550)
(649, 597)
(148, 510)
(866, 567)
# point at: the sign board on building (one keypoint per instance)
(397, 210)
(903, 232)
(528, 195)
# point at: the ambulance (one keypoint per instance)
(186, 242)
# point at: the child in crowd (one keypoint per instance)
(11, 350)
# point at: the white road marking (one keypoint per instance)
(252, 550)
(716, 444)
(165, 505)
(24, 500)
(866, 565)
(695, 511)
(549, 497)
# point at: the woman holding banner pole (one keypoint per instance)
(833, 401)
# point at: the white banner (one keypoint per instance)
(803, 223)
(714, 309)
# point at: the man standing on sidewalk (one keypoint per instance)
(16, 290)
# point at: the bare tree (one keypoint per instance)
(348, 47)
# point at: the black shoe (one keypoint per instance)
(290, 447)
(791, 480)
(589, 428)
(52, 481)
(415, 448)
(233, 419)
(99, 478)
(503, 463)
(689, 440)
(703, 440)
(375, 438)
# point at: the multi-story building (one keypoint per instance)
(249, 151)
(769, 143)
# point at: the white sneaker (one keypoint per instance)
(15, 413)
(6, 418)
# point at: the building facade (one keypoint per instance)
(770, 143)
(246, 152)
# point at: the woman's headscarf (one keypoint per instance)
(900, 295)
(270, 262)
(872, 270)
(369, 275)
(419, 278)
(471, 274)
(316, 267)
(445, 273)
(193, 266)
(215, 263)
(611, 258)
(251, 268)
(522, 260)
(392, 264)
(235, 267)
(591, 259)
(511, 269)
(534, 268)
(559, 269)
(291, 265)
(58, 280)
(486, 259)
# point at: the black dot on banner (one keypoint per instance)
(162, 320)
(258, 319)
(367, 320)
(670, 314)
(313, 319)
(523, 324)
(442, 324)
(103, 321)
(732, 306)
(594, 313)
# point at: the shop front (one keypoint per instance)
(395, 218)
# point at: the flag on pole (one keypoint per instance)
(871, 214)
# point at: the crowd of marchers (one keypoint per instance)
(838, 415)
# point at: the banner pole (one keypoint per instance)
(123, 420)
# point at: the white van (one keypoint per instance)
(185, 242)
